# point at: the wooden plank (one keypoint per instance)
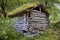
(36, 18)
(38, 13)
(35, 11)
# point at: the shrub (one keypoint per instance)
(7, 32)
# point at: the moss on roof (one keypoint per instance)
(22, 8)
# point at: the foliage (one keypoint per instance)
(7, 32)
(48, 35)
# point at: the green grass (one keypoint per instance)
(22, 8)
(48, 35)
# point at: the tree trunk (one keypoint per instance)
(46, 1)
(3, 8)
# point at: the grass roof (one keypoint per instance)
(22, 8)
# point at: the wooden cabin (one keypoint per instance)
(32, 18)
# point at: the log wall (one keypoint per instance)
(38, 20)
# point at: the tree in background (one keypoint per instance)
(3, 4)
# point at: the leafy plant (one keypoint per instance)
(8, 32)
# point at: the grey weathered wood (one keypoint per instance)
(38, 19)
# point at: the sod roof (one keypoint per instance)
(22, 8)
